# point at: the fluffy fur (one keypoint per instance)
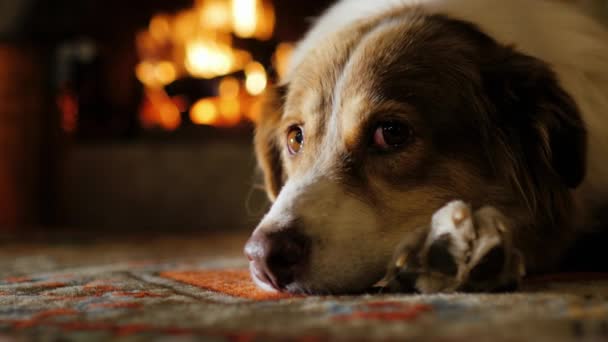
(573, 44)
(507, 100)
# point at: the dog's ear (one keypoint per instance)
(267, 152)
(539, 116)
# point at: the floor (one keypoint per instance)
(197, 288)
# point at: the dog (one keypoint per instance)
(458, 144)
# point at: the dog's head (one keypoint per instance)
(385, 122)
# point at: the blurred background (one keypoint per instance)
(137, 116)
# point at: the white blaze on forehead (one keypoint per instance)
(354, 91)
(309, 104)
(353, 111)
(312, 102)
(283, 212)
(314, 201)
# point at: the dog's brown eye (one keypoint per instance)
(295, 139)
(391, 135)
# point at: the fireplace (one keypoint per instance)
(143, 113)
(226, 45)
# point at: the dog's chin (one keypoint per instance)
(262, 284)
(328, 287)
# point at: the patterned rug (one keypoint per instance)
(199, 289)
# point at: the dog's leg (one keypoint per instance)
(462, 251)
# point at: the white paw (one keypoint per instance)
(462, 251)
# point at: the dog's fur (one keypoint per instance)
(508, 103)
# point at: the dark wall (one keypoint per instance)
(23, 104)
(161, 187)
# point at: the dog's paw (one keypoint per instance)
(462, 251)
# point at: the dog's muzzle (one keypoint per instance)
(277, 258)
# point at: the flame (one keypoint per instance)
(156, 74)
(197, 42)
(215, 15)
(204, 112)
(165, 72)
(185, 26)
(255, 109)
(146, 45)
(230, 111)
(216, 111)
(229, 88)
(281, 58)
(244, 17)
(265, 22)
(160, 28)
(208, 59)
(170, 117)
(158, 109)
(256, 79)
(145, 73)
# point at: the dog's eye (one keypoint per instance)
(390, 135)
(295, 139)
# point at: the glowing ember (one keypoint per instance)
(160, 28)
(145, 73)
(230, 111)
(68, 106)
(265, 22)
(185, 26)
(156, 74)
(165, 72)
(281, 58)
(170, 117)
(208, 59)
(244, 17)
(229, 87)
(204, 112)
(197, 43)
(159, 110)
(215, 14)
(255, 110)
(256, 78)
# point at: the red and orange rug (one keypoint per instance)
(95, 297)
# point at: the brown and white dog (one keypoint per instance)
(469, 135)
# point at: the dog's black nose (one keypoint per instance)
(277, 258)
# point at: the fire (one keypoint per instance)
(215, 14)
(158, 109)
(165, 72)
(208, 59)
(256, 79)
(244, 17)
(281, 58)
(170, 117)
(229, 88)
(204, 112)
(156, 74)
(198, 42)
(265, 22)
(230, 109)
(185, 26)
(145, 73)
(216, 111)
(160, 28)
